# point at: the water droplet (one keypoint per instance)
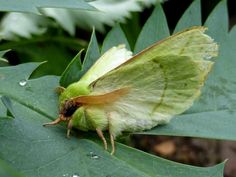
(65, 175)
(23, 82)
(76, 175)
(93, 156)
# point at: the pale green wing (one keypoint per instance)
(191, 42)
(161, 84)
(107, 62)
(158, 89)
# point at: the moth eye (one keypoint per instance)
(69, 111)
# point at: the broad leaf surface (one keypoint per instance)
(33, 6)
(38, 151)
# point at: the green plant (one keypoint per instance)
(35, 151)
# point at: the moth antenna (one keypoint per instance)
(58, 120)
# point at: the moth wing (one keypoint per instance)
(191, 42)
(161, 85)
(111, 59)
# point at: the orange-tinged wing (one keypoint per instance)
(101, 99)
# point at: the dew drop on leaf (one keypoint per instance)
(93, 156)
(23, 82)
(76, 175)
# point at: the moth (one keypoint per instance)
(125, 93)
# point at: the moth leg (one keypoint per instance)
(112, 143)
(100, 134)
(69, 127)
(111, 135)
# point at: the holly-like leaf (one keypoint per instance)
(33, 6)
(105, 12)
(38, 151)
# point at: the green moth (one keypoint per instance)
(125, 93)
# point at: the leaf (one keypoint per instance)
(108, 13)
(3, 52)
(75, 70)
(3, 110)
(15, 25)
(6, 170)
(213, 115)
(31, 93)
(45, 48)
(114, 38)
(8, 105)
(155, 28)
(3, 62)
(191, 17)
(70, 74)
(38, 151)
(33, 6)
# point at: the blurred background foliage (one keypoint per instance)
(57, 35)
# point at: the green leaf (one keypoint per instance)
(75, 70)
(155, 29)
(33, 6)
(45, 48)
(3, 110)
(213, 115)
(191, 17)
(8, 105)
(38, 151)
(108, 13)
(3, 52)
(3, 62)
(92, 54)
(70, 74)
(114, 38)
(31, 93)
(6, 170)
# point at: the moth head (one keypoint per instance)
(67, 109)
